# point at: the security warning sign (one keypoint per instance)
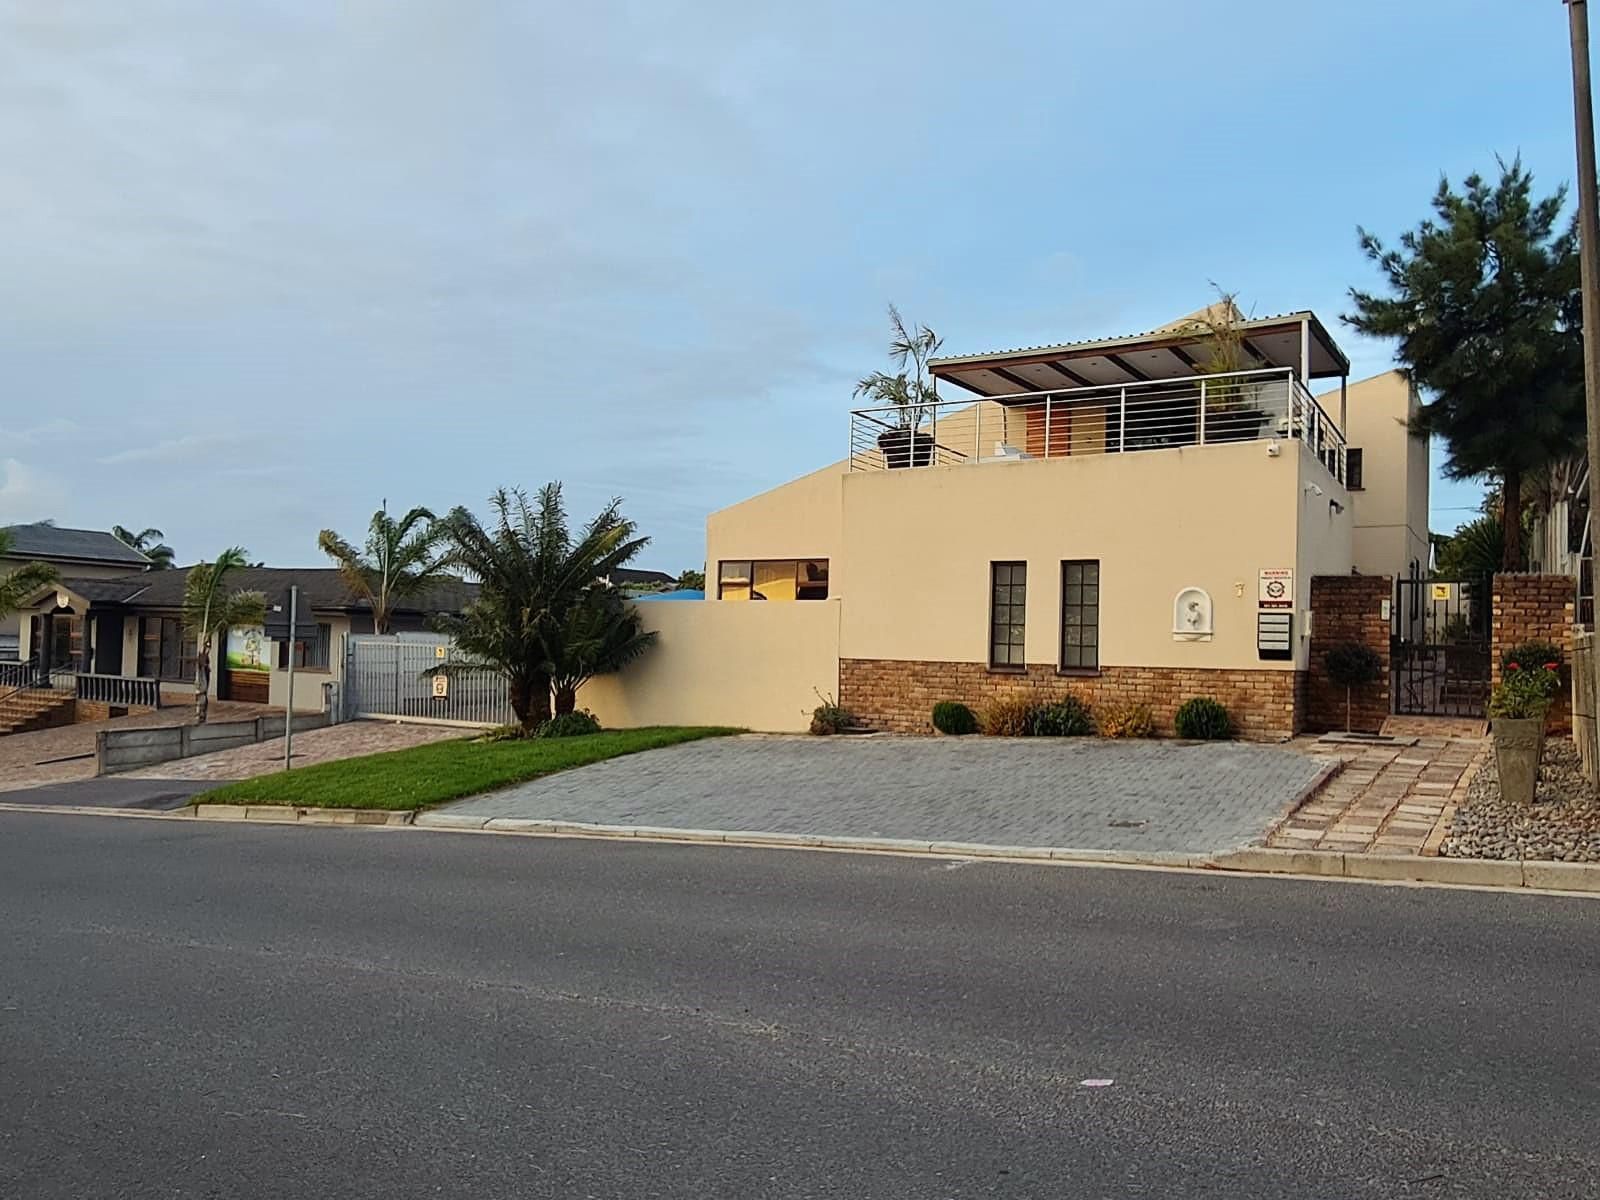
(1277, 588)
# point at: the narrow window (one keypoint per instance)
(773, 579)
(733, 580)
(1008, 594)
(1352, 468)
(1080, 615)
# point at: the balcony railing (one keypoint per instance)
(1111, 419)
(119, 690)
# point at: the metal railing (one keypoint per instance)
(1109, 419)
(119, 690)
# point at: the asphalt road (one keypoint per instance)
(192, 1009)
(111, 792)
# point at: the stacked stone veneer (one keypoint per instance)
(1347, 608)
(898, 694)
(1535, 608)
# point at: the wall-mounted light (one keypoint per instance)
(1314, 489)
(1335, 507)
(1273, 449)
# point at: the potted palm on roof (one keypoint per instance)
(908, 393)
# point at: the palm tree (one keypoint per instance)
(398, 560)
(532, 573)
(910, 390)
(602, 634)
(148, 543)
(209, 610)
(18, 585)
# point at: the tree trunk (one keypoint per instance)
(530, 701)
(202, 684)
(1511, 521)
(566, 699)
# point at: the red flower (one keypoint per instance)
(1552, 666)
(1513, 667)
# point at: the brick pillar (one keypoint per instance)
(1535, 608)
(1347, 608)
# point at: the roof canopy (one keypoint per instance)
(1175, 351)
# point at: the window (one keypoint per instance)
(1352, 468)
(773, 579)
(1080, 615)
(165, 652)
(310, 654)
(1008, 594)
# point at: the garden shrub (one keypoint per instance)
(1009, 718)
(1126, 719)
(1202, 719)
(953, 717)
(1528, 655)
(1066, 717)
(504, 733)
(573, 724)
(831, 717)
(1522, 694)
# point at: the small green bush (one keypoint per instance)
(1201, 718)
(1126, 719)
(504, 733)
(1009, 718)
(1066, 717)
(953, 717)
(573, 724)
(1544, 680)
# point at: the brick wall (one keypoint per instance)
(94, 710)
(899, 695)
(1347, 608)
(1529, 607)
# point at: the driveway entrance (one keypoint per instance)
(1066, 793)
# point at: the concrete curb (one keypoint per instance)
(282, 814)
(1471, 872)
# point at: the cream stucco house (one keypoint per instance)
(1100, 516)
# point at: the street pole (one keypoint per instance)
(1588, 249)
(288, 705)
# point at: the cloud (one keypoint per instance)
(190, 448)
(49, 431)
(28, 494)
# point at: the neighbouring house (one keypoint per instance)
(82, 553)
(638, 579)
(1560, 540)
(130, 627)
(1105, 516)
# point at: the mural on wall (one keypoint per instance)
(247, 649)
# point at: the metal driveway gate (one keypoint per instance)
(387, 676)
(1439, 647)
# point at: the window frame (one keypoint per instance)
(171, 646)
(1014, 620)
(303, 661)
(1355, 463)
(747, 582)
(1079, 608)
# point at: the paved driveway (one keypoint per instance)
(1073, 793)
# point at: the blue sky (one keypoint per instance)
(264, 265)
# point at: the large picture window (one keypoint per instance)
(1080, 615)
(1008, 603)
(773, 579)
(165, 652)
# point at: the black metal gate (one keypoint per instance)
(1439, 647)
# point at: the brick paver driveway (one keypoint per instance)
(1072, 793)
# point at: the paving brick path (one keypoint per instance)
(1386, 800)
(1078, 793)
(350, 740)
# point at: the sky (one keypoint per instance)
(265, 266)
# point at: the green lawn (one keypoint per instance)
(440, 771)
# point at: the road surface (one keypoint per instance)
(191, 1009)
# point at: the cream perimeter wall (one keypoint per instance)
(756, 666)
(917, 546)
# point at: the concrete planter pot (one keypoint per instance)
(1518, 750)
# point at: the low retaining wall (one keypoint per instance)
(129, 749)
(899, 694)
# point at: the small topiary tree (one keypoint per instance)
(955, 718)
(1202, 719)
(1066, 717)
(1352, 665)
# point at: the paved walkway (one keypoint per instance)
(1388, 799)
(66, 753)
(1071, 793)
(350, 740)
